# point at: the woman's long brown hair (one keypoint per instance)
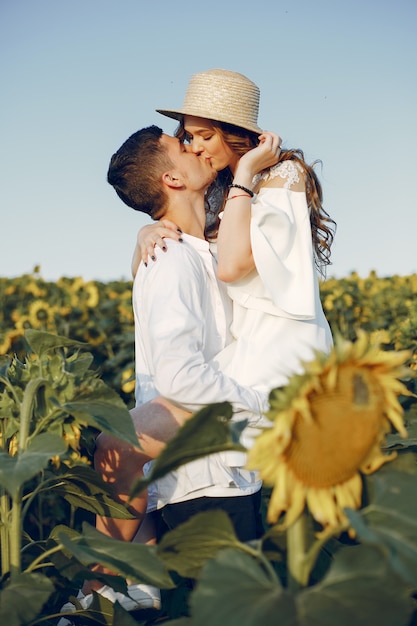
(323, 227)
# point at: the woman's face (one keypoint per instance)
(206, 141)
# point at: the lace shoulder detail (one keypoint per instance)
(287, 170)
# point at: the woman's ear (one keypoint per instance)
(171, 179)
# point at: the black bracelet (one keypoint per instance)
(243, 189)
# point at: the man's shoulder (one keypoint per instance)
(178, 259)
(178, 251)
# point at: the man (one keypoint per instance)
(181, 323)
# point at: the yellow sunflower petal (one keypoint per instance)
(262, 457)
(322, 506)
(349, 494)
(279, 497)
(298, 501)
(376, 459)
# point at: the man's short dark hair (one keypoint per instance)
(136, 169)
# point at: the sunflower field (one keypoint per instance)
(101, 315)
(339, 467)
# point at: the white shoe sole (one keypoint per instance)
(139, 598)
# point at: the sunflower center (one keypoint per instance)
(42, 315)
(330, 448)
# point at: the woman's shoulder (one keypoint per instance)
(288, 173)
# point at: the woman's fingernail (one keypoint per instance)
(180, 239)
(153, 258)
(145, 263)
(179, 230)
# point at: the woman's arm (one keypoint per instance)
(234, 249)
(150, 236)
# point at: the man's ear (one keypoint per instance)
(171, 179)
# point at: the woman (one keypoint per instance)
(274, 235)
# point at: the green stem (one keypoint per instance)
(4, 532)
(26, 411)
(15, 534)
(296, 547)
(35, 564)
(259, 556)
(53, 416)
(46, 485)
(303, 552)
(325, 536)
(15, 527)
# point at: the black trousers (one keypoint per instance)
(244, 513)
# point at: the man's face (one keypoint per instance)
(195, 172)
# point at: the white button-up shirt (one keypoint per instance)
(182, 319)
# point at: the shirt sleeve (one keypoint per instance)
(173, 308)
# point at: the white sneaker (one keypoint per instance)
(139, 598)
(69, 607)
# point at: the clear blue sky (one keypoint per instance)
(338, 79)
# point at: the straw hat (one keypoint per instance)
(223, 96)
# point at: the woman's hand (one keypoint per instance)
(150, 236)
(265, 154)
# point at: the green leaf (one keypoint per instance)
(187, 548)
(80, 365)
(123, 618)
(65, 563)
(104, 410)
(391, 520)
(138, 562)
(22, 601)
(40, 341)
(360, 588)
(16, 470)
(206, 432)
(82, 487)
(235, 590)
(182, 621)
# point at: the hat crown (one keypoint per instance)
(223, 96)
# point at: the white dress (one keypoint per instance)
(278, 319)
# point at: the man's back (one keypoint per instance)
(182, 318)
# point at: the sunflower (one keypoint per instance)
(10, 290)
(23, 322)
(328, 426)
(94, 335)
(5, 342)
(40, 314)
(92, 294)
(125, 314)
(72, 435)
(84, 294)
(9, 339)
(74, 290)
(34, 289)
(128, 380)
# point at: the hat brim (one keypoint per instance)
(178, 115)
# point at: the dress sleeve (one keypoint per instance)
(282, 250)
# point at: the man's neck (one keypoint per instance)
(189, 214)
